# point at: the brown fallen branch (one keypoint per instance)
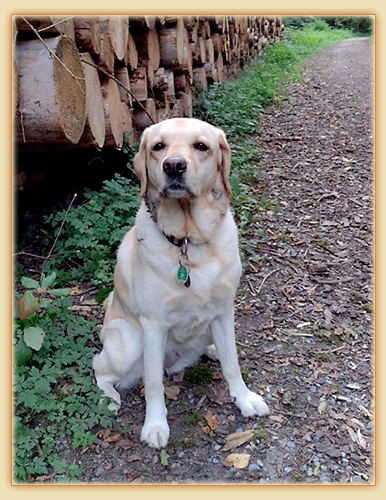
(109, 75)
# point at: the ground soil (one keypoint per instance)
(304, 309)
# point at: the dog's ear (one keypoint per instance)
(225, 162)
(140, 164)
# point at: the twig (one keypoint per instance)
(335, 282)
(332, 350)
(76, 78)
(29, 255)
(54, 24)
(109, 75)
(61, 227)
(265, 279)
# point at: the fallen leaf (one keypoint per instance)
(134, 458)
(164, 458)
(172, 391)
(237, 460)
(237, 439)
(316, 470)
(124, 444)
(322, 405)
(213, 421)
(178, 377)
(113, 438)
(219, 394)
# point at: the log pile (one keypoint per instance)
(97, 81)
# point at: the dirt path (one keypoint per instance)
(304, 321)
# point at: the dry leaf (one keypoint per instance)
(237, 439)
(124, 444)
(322, 405)
(172, 391)
(113, 438)
(237, 460)
(213, 421)
(134, 458)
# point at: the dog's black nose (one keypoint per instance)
(174, 166)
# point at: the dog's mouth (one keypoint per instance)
(176, 188)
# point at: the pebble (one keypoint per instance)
(307, 437)
(253, 468)
(99, 471)
(180, 454)
(217, 447)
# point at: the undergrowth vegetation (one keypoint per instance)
(57, 407)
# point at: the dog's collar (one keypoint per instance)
(175, 241)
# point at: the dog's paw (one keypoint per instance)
(211, 352)
(156, 435)
(252, 404)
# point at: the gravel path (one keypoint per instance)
(304, 311)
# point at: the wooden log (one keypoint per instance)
(140, 119)
(52, 99)
(186, 100)
(128, 132)
(138, 84)
(209, 51)
(164, 113)
(177, 110)
(94, 130)
(172, 42)
(219, 65)
(150, 21)
(44, 24)
(148, 50)
(113, 114)
(119, 33)
(131, 57)
(164, 85)
(211, 73)
(122, 75)
(87, 34)
(199, 78)
(181, 82)
(105, 58)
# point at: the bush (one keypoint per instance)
(92, 232)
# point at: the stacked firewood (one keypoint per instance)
(98, 81)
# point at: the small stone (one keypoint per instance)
(99, 471)
(260, 463)
(253, 468)
(307, 437)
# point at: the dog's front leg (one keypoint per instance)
(223, 334)
(155, 431)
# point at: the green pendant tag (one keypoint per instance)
(182, 275)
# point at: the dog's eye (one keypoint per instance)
(158, 146)
(201, 146)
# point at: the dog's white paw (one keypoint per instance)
(252, 404)
(155, 434)
(211, 352)
(114, 407)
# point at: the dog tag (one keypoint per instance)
(183, 276)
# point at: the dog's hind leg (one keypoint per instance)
(120, 362)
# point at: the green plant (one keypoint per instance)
(199, 374)
(88, 240)
(56, 405)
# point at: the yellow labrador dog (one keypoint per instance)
(177, 273)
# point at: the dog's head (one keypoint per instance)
(183, 158)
